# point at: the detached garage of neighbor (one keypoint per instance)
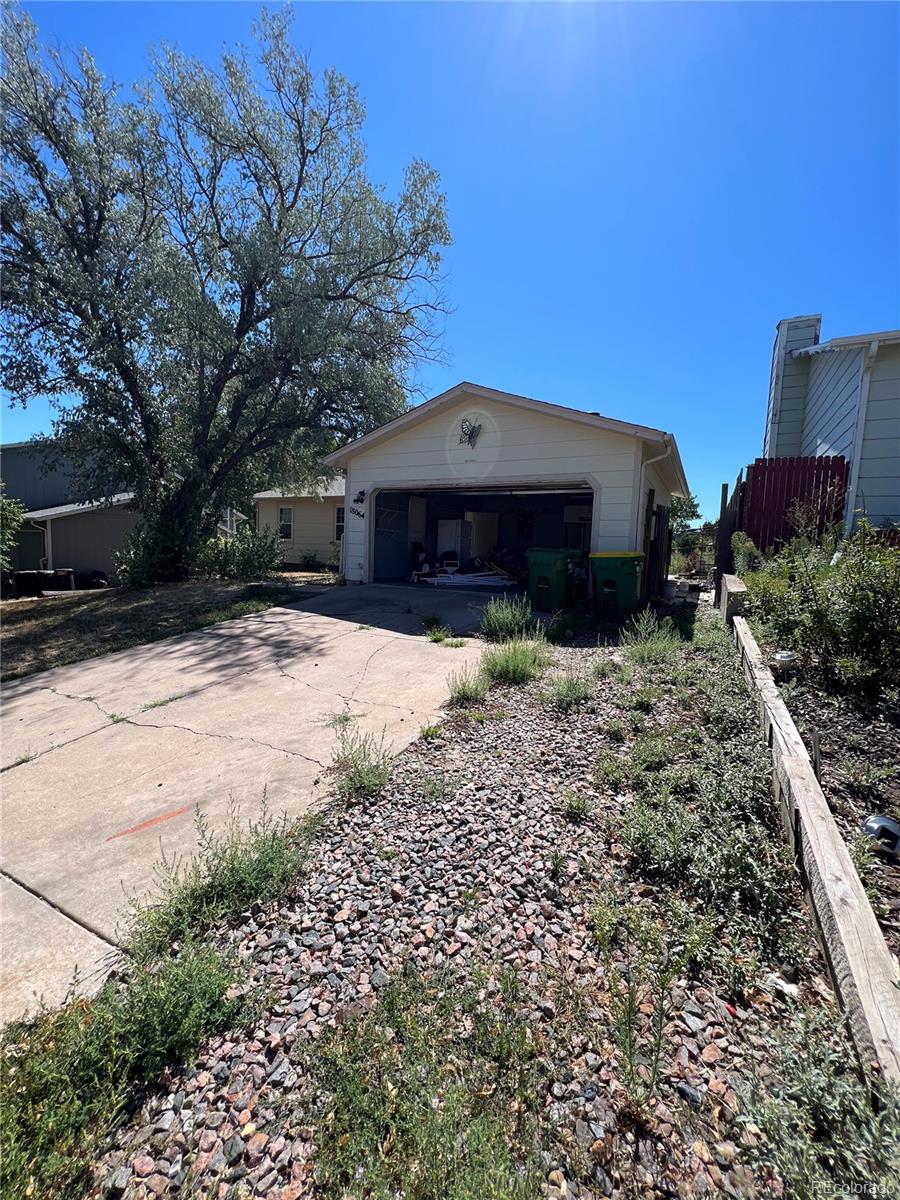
(482, 476)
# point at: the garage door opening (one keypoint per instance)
(474, 533)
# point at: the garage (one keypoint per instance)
(476, 477)
(474, 532)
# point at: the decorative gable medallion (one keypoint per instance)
(468, 432)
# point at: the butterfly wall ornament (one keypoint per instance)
(469, 433)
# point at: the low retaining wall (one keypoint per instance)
(862, 968)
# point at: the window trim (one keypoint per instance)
(342, 523)
(287, 508)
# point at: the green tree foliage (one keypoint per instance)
(12, 513)
(208, 268)
(682, 511)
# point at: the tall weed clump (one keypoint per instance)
(646, 639)
(506, 617)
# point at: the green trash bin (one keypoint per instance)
(548, 578)
(616, 576)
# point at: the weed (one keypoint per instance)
(866, 780)
(362, 628)
(646, 639)
(610, 771)
(576, 807)
(339, 721)
(517, 661)
(361, 765)
(507, 617)
(428, 733)
(162, 703)
(640, 700)
(258, 862)
(439, 633)
(604, 668)
(432, 1094)
(435, 787)
(454, 643)
(66, 1076)
(557, 865)
(567, 690)
(467, 687)
(432, 621)
(826, 1130)
(614, 729)
(642, 962)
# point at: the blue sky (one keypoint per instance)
(637, 193)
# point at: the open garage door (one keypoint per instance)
(480, 529)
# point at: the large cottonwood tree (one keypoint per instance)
(202, 274)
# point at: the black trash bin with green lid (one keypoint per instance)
(616, 576)
(548, 577)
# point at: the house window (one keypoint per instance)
(338, 522)
(286, 524)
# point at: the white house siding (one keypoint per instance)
(832, 401)
(878, 487)
(516, 446)
(314, 525)
(788, 388)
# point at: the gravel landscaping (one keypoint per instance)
(485, 985)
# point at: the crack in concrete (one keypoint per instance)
(227, 737)
(64, 912)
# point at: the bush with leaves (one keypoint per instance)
(12, 513)
(840, 611)
(247, 554)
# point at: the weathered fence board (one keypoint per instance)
(775, 486)
(862, 968)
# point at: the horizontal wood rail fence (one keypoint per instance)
(862, 967)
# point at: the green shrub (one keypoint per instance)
(247, 554)
(646, 639)
(360, 764)
(842, 614)
(258, 862)
(438, 633)
(506, 617)
(467, 687)
(567, 690)
(66, 1076)
(516, 661)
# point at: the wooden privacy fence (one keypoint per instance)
(861, 966)
(766, 505)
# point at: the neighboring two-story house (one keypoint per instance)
(840, 397)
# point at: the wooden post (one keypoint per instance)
(864, 972)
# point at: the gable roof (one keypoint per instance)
(476, 391)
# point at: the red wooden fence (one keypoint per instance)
(777, 487)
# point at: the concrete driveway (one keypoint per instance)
(106, 762)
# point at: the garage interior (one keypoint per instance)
(484, 529)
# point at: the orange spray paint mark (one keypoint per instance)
(176, 812)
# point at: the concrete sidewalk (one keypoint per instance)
(106, 762)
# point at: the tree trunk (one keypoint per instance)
(174, 533)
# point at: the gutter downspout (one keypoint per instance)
(667, 439)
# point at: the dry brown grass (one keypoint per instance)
(66, 627)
